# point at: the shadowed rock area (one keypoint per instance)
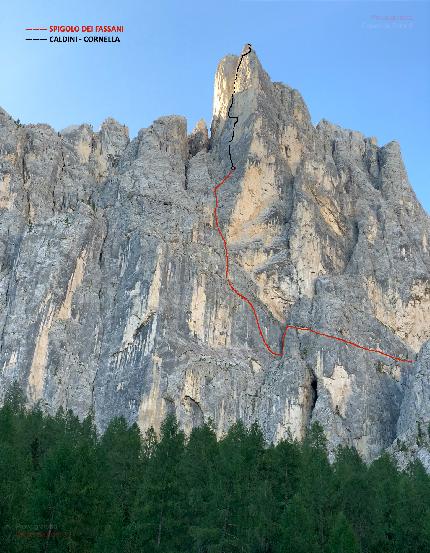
(113, 297)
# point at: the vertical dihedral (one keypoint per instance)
(36, 378)
(152, 406)
(75, 280)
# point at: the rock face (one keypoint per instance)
(113, 296)
(413, 426)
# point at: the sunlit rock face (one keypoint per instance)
(113, 298)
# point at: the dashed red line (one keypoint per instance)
(37, 29)
(287, 327)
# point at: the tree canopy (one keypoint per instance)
(64, 488)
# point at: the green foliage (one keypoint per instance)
(157, 519)
(342, 538)
(63, 488)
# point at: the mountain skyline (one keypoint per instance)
(381, 88)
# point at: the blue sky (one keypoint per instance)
(353, 65)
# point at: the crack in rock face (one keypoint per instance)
(112, 283)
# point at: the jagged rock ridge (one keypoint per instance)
(112, 285)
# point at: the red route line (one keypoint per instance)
(37, 29)
(249, 302)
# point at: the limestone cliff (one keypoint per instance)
(113, 296)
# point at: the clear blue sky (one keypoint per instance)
(353, 66)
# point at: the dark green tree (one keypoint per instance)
(66, 504)
(316, 484)
(382, 505)
(341, 537)
(15, 471)
(298, 529)
(119, 467)
(412, 511)
(157, 518)
(200, 474)
(352, 490)
(63, 488)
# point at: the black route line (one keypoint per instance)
(236, 119)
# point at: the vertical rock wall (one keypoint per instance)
(113, 296)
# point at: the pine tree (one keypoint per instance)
(352, 490)
(382, 505)
(200, 473)
(64, 489)
(412, 512)
(261, 528)
(230, 493)
(157, 519)
(298, 530)
(316, 484)
(286, 461)
(256, 508)
(118, 468)
(342, 538)
(65, 500)
(15, 471)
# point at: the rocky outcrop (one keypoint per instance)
(113, 296)
(413, 426)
